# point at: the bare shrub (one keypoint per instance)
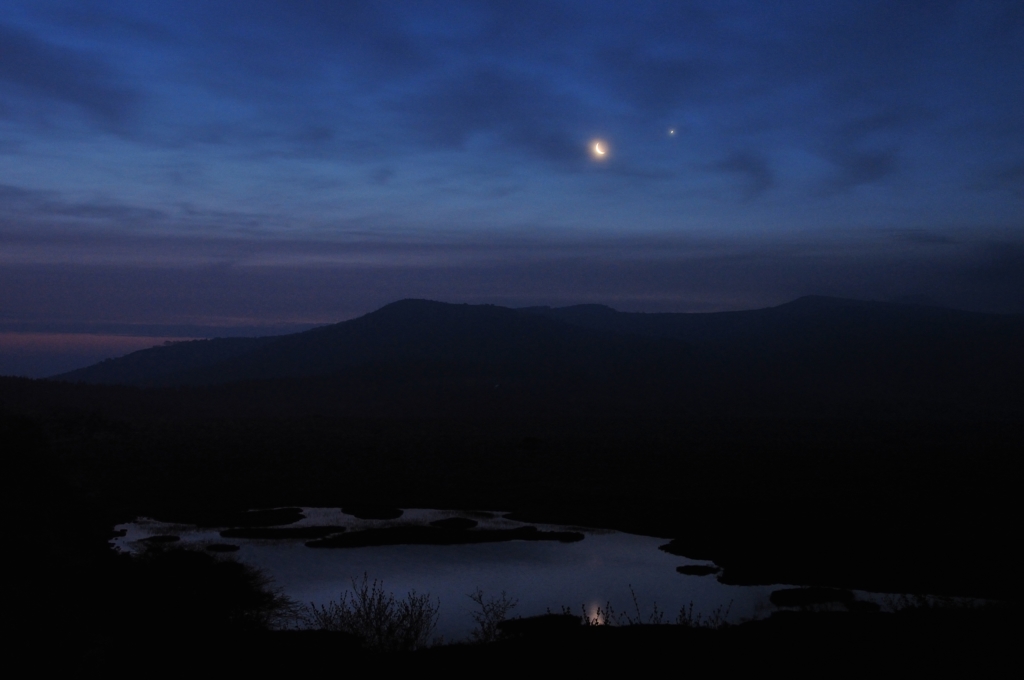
(607, 616)
(717, 619)
(600, 617)
(492, 612)
(656, 616)
(380, 620)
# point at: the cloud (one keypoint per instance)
(522, 113)
(382, 175)
(656, 85)
(165, 281)
(753, 171)
(924, 237)
(301, 111)
(1007, 177)
(34, 206)
(10, 196)
(998, 265)
(856, 168)
(33, 69)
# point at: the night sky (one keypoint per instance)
(191, 169)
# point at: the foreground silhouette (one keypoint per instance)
(823, 443)
(814, 356)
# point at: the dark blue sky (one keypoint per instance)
(220, 164)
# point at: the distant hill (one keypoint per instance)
(155, 365)
(836, 336)
(807, 321)
(408, 332)
(813, 353)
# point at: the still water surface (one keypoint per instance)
(542, 575)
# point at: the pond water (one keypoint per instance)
(604, 567)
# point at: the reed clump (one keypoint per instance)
(687, 617)
(381, 621)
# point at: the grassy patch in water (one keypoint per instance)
(419, 535)
(282, 532)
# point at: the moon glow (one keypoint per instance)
(599, 150)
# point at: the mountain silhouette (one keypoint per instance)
(408, 332)
(825, 336)
(809, 352)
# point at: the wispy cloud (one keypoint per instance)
(753, 171)
(391, 150)
(35, 70)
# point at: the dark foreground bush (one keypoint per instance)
(176, 590)
(381, 621)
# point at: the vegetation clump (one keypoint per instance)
(174, 589)
(493, 611)
(381, 621)
(687, 618)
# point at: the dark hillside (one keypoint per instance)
(814, 356)
(874, 355)
(464, 338)
(157, 364)
(815, 327)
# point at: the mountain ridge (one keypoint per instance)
(444, 333)
(812, 354)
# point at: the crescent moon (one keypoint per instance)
(598, 150)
